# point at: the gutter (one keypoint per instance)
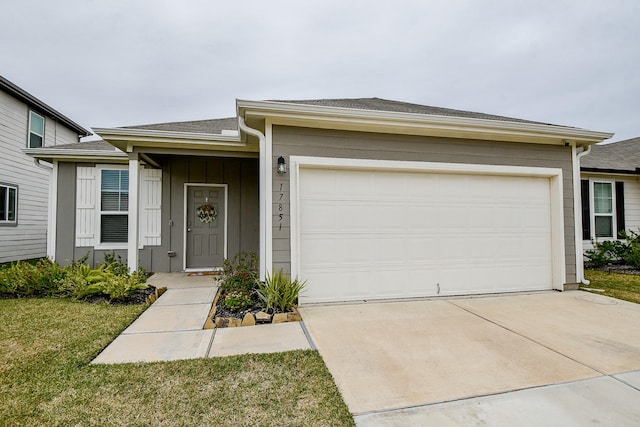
(578, 218)
(264, 192)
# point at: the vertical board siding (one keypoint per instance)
(292, 141)
(86, 206)
(162, 208)
(150, 206)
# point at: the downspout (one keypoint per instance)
(577, 202)
(263, 192)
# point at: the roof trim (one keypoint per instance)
(69, 154)
(35, 103)
(126, 138)
(415, 123)
(611, 171)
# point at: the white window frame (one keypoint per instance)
(7, 222)
(592, 209)
(31, 114)
(99, 212)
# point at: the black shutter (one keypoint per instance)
(586, 212)
(619, 207)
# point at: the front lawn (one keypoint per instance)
(616, 285)
(46, 379)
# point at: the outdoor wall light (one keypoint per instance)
(282, 166)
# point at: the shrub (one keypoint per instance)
(626, 250)
(39, 278)
(237, 301)
(118, 287)
(279, 292)
(240, 273)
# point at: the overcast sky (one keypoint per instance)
(125, 62)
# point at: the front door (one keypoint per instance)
(205, 226)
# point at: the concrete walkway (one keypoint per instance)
(570, 358)
(171, 328)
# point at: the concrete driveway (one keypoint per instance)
(495, 360)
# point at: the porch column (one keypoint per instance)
(132, 245)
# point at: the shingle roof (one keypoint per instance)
(623, 156)
(216, 126)
(213, 126)
(21, 94)
(378, 104)
(99, 145)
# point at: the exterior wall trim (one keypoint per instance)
(554, 175)
(226, 218)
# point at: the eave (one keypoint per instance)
(50, 154)
(610, 171)
(415, 124)
(129, 140)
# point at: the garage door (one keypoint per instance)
(377, 234)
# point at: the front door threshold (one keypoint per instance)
(202, 269)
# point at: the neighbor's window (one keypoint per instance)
(603, 209)
(114, 205)
(8, 204)
(36, 130)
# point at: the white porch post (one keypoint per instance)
(132, 246)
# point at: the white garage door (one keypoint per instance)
(377, 234)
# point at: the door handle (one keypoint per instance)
(188, 229)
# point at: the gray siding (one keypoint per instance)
(241, 176)
(288, 141)
(29, 238)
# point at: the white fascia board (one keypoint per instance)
(69, 154)
(420, 124)
(126, 139)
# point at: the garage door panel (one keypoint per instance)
(406, 234)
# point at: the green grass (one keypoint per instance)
(616, 285)
(46, 379)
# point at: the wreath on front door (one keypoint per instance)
(206, 213)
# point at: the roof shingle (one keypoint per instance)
(623, 156)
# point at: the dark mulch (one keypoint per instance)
(618, 268)
(139, 296)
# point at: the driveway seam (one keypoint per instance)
(461, 399)
(529, 339)
(308, 336)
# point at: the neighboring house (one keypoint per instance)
(363, 198)
(27, 123)
(610, 188)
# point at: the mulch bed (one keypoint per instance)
(618, 268)
(139, 296)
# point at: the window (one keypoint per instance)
(114, 205)
(36, 130)
(8, 204)
(602, 209)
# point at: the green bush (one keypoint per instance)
(78, 280)
(39, 278)
(626, 251)
(240, 273)
(279, 292)
(237, 301)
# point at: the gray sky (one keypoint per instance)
(125, 62)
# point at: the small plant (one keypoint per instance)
(279, 292)
(240, 273)
(237, 301)
(119, 287)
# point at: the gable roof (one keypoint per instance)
(33, 102)
(622, 157)
(379, 104)
(216, 126)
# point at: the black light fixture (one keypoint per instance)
(282, 166)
